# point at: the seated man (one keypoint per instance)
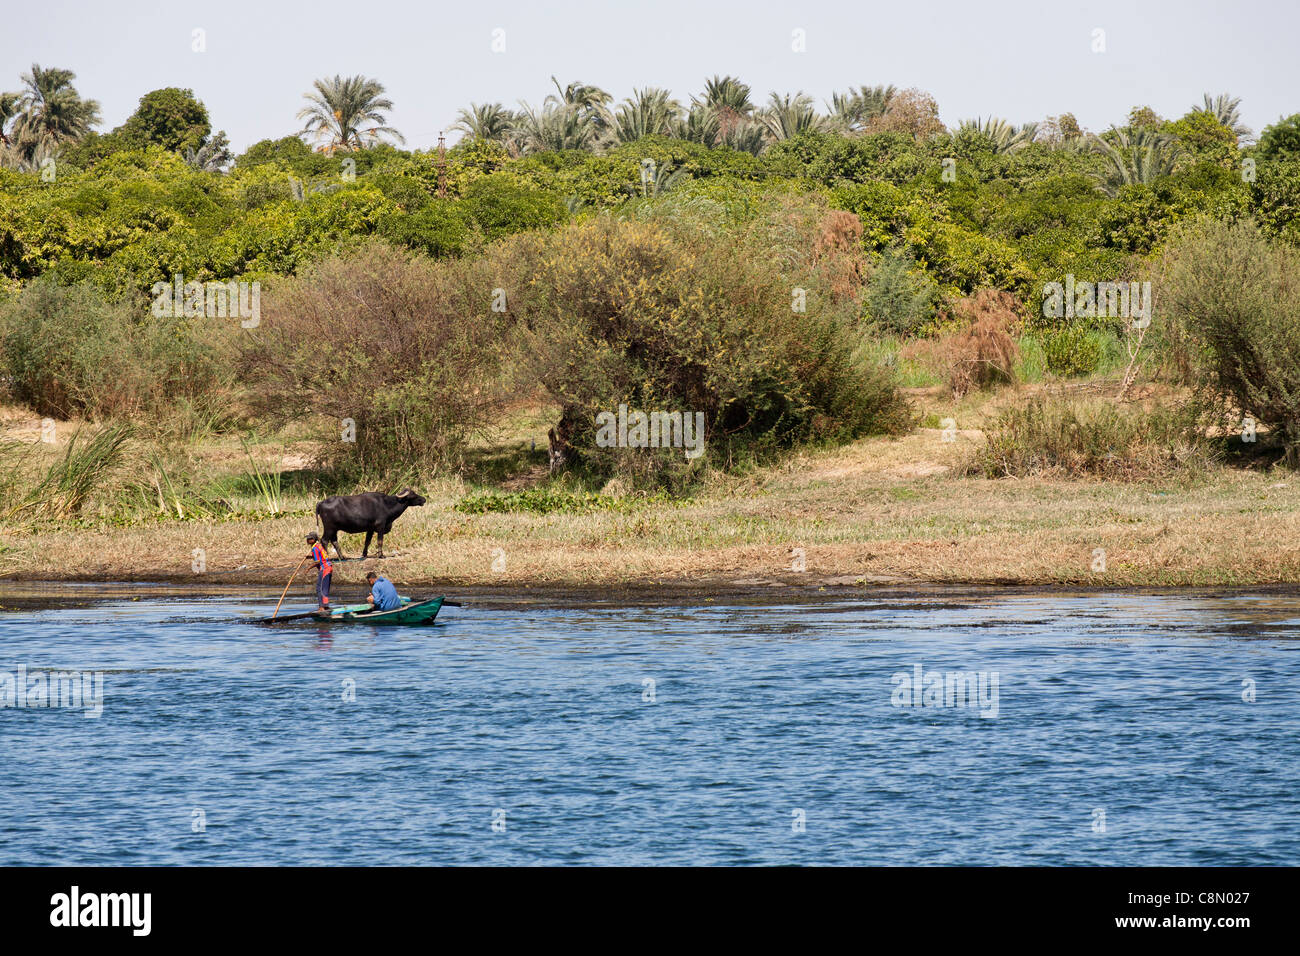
(383, 596)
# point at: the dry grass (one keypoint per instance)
(878, 510)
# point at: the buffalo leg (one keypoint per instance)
(366, 549)
(381, 544)
(334, 540)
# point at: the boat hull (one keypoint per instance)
(415, 613)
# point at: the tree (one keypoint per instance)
(490, 122)
(648, 112)
(1140, 158)
(1144, 117)
(911, 111)
(591, 102)
(9, 107)
(551, 128)
(1001, 135)
(52, 113)
(854, 110)
(340, 110)
(787, 116)
(213, 156)
(1281, 140)
(1226, 111)
(729, 98)
(1060, 132)
(171, 118)
(724, 116)
(1204, 137)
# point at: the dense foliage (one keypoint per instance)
(647, 251)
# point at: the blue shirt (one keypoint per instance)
(386, 598)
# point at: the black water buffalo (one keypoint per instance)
(372, 512)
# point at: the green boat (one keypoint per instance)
(419, 612)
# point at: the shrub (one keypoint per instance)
(435, 230)
(690, 309)
(1234, 297)
(406, 348)
(1071, 351)
(983, 353)
(502, 206)
(69, 351)
(900, 298)
(1093, 438)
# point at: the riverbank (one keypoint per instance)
(878, 512)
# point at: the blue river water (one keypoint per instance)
(1101, 729)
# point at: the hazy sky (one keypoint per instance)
(1019, 60)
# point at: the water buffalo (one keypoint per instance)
(372, 512)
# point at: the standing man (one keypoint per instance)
(383, 596)
(325, 571)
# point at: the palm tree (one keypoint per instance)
(701, 125)
(729, 100)
(490, 122)
(788, 116)
(723, 115)
(749, 137)
(11, 157)
(581, 95)
(728, 92)
(1004, 137)
(854, 110)
(1227, 111)
(647, 112)
(9, 107)
(211, 157)
(1140, 157)
(656, 182)
(552, 128)
(51, 111)
(340, 109)
(726, 104)
(591, 103)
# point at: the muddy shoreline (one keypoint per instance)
(20, 595)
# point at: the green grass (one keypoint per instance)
(884, 350)
(544, 500)
(68, 483)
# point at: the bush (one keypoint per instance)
(502, 206)
(900, 298)
(1071, 351)
(436, 230)
(406, 348)
(69, 351)
(691, 310)
(1093, 438)
(984, 353)
(1233, 297)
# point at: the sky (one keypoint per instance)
(1021, 61)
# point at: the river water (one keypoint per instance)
(1100, 729)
